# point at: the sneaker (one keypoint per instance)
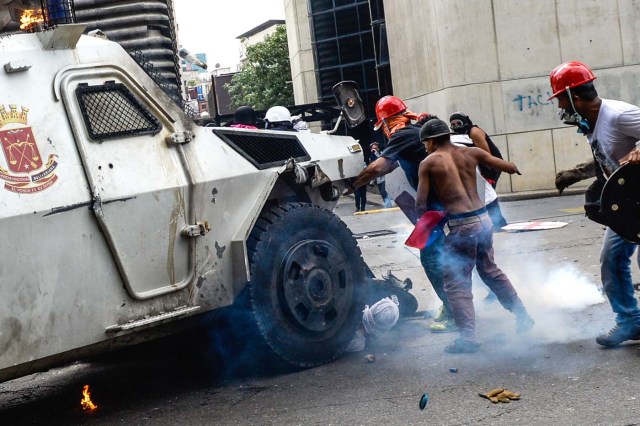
(407, 284)
(617, 335)
(443, 315)
(462, 346)
(446, 326)
(524, 323)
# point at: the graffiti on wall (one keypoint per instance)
(532, 101)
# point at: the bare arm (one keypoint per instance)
(489, 160)
(380, 167)
(477, 135)
(423, 188)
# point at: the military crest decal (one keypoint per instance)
(26, 172)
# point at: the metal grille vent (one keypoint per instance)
(264, 150)
(58, 12)
(112, 111)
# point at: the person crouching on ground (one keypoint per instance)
(451, 170)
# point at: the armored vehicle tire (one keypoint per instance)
(307, 283)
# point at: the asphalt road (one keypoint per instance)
(563, 376)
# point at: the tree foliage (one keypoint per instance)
(265, 79)
(193, 82)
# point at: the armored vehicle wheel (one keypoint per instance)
(307, 283)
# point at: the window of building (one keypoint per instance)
(349, 42)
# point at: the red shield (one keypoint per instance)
(20, 150)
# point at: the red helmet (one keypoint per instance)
(386, 107)
(569, 75)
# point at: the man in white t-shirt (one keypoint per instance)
(612, 129)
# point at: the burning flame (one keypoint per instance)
(86, 399)
(29, 18)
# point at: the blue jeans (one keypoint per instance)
(432, 258)
(493, 208)
(615, 269)
(384, 195)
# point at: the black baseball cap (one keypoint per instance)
(434, 128)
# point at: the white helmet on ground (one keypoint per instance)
(380, 317)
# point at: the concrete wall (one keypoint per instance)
(492, 58)
(301, 54)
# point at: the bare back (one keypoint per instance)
(452, 170)
(453, 173)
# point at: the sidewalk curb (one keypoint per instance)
(531, 195)
(513, 196)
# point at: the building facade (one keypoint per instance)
(331, 41)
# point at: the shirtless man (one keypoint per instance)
(451, 171)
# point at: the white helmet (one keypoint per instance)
(277, 114)
(381, 316)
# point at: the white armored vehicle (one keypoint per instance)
(120, 218)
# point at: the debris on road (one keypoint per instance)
(500, 395)
(370, 358)
(453, 370)
(424, 400)
(533, 226)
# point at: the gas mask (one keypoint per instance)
(460, 123)
(572, 118)
(457, 126)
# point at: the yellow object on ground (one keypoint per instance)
(500, 395)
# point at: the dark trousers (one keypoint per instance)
(361, 198)
(467, 246)
(385, 197)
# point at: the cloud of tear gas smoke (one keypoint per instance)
(554, 298)
(563, 288)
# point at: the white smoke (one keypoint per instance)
(563, 289)
(553, 298)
